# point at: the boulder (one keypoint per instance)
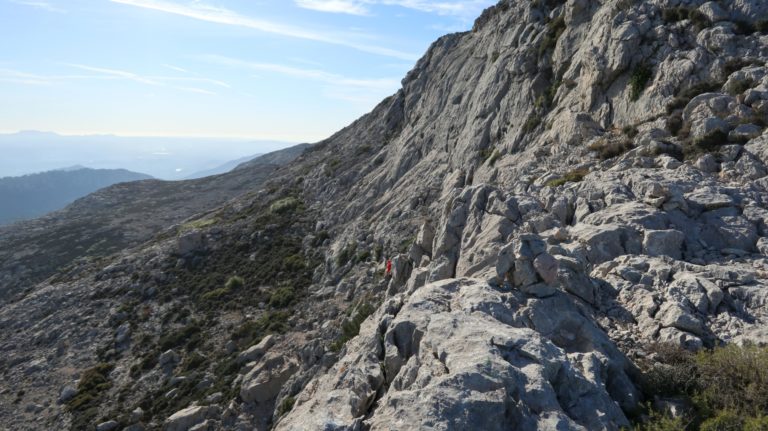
(107, 426)
(191, 242)
(664, 243)
(265, 381)
(256, 351)
(185, 419)
(546, 266)
(169, 357)
(67, 393)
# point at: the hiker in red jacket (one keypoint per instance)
(389, 267)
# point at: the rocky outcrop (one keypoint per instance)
(460, 354)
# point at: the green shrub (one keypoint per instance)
(674, 14)
(235, 283)
(728, 386)
(251, 332)
(639, 80)
(759, 423)
(658, 421)
(331, 166)
(92, 383)
(193, 362)
(494, 157)
(282, 297)
(723, 421)
(215, 294)
(573, 176)
(743, 27)
(762, 26)
(363, 256)
(286, 406)
(739, 87)
(351, 327)
(189, 334)
(555, 29)
(320, 238)
(608, 148)
(84, 406)
(630, 131)
(734, 378)
(284, 205)
(294, 262)
(531, 123)
(704, 144)
(346, 254)
(673, 373)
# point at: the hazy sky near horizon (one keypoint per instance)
(292, 70)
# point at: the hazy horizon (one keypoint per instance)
(163, 157)
(293, 71)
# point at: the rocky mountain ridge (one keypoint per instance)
(562, 187)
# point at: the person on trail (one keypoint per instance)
(389, 267)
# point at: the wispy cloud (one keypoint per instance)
(459, 8)
(351, 7)
(176, 68)
(337, 86)
(48, 7)
(116, 73)
(200, 11)
(102, 73)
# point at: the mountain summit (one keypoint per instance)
(557, 206)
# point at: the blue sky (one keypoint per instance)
(290, 70)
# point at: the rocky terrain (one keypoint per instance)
(115, 218)
(559, 190)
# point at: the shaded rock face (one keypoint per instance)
(556, 189)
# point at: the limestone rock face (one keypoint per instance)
(460, 353)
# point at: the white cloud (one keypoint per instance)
(466, 9)
(101, 73)
(39, 5)
(351, 7)
(176, 68)
(336, 86)
(200, 11)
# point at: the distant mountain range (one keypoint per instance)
(31, 196)
(222, 168)
(168, 158)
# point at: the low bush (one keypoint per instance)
(84, 406)
(284, 205)
(639, 80)
(282, 297)
(189, 334)
(347, 253)
(762, 26)
(286, 406)
(531, 123)
(573, 176)
(705, 144)
(251, 332)
(676, 14)
(610, 147)
(350, 327)
(727, 386)
(555, 29)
